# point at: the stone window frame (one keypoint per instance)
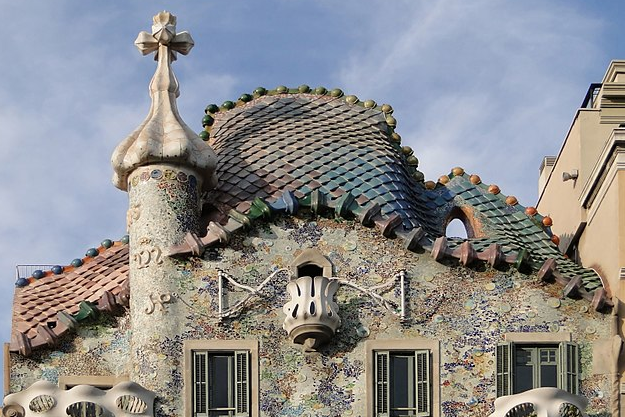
(231, 345)
(394, 345)
(566, 347)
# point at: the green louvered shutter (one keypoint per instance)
(569, 367)
(200, 384)
(504, 369)
(423, 382)
(242, 383)
(382, 386)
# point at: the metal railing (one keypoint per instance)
(25, 271)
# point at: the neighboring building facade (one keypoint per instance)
(291, 261)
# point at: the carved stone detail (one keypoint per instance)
(546, 401)
(147, 256)
(311, 314)
(158, 300)
(17, 404)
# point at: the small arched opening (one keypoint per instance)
(459, 225)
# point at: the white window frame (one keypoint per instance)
(249, 348)
(375, 349)
(568, 364)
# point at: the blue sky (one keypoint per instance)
(489, 85)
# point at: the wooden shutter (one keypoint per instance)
(242, 383)
(200, 384)
(569, 367)
(382, 386)
(423, 383)
(504, 369)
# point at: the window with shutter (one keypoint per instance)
(402, 383)
(220, 378)
(525, 366)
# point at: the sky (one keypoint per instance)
(488, 85)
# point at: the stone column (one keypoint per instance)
(164, 206)
(164, 166)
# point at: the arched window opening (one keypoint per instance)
(456, 228)
(311, 263)
(459, 225)
(309, 270)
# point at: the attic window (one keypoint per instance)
(458, 224)
(309, 270)
(311, 263)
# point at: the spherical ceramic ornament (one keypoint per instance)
(21, 282)
(228, 105)
(547, 221)
(430, 185)
(337, 92)
(211, 108)
(494, 189)
(57, 269)
(511, 200)
(555, 239)
(475, 179)
(92, 252)
(282, 89)
(395, 138)
(38, 273)
(260, 91)
(457, 171)
(386, 108)
(531, 211)
(412, 160)
(76, 262)
(369, 104)
(443, 179)
(320, 90)
(303, 88)
(125, 239)
(107, 243)
(351, 99)
(246, 98)
(391, 121)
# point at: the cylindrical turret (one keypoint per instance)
(164, 166)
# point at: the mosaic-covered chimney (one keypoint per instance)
(164, 166)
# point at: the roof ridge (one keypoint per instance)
(90, 255)
(544, 222)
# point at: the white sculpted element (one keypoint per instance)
(311, 314)
(546, 401)
(163, 137)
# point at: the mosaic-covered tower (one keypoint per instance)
(164, 166)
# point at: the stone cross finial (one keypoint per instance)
(164, 138)
(164, 33)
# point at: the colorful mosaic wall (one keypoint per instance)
(467, 309)
(96, 349)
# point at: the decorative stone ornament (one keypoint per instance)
(44, 399)
(163, 137)
(311, 314)
(546, 402)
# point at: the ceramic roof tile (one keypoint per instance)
(314, 134)
(39, 301)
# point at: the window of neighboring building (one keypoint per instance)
(522, 366)
(402, 378)
(222, 378)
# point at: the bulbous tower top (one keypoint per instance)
(163, 137)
